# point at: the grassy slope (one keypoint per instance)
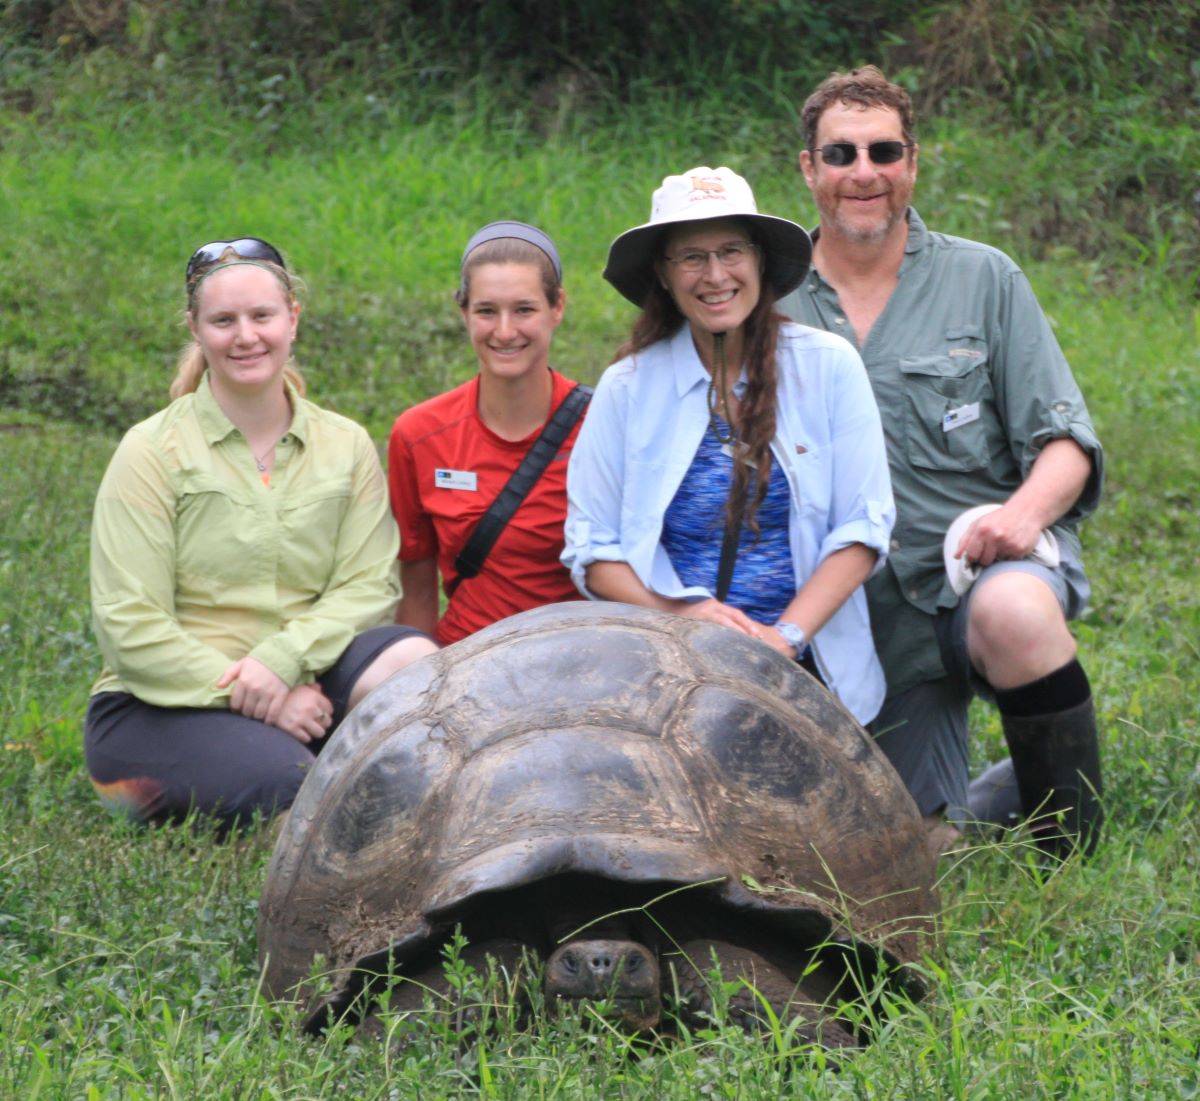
(126, 958)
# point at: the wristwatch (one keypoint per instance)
(793, 634)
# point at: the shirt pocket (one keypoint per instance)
(216, 540)
(954, 382)
(310, 524)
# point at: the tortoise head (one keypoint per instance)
(622, 973)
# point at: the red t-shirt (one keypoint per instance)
(445, 467)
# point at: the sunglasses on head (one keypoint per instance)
(248, 248)
(838, 154)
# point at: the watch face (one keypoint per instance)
(792, 634)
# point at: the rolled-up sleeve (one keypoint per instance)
(1039, 397)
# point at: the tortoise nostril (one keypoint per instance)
(601, 962)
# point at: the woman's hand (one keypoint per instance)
(776, 641)
(306, 714)
(258, 693)
(713, 611)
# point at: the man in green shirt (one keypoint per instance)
(979, 407)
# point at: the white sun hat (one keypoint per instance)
(963, 573)
(692, 197)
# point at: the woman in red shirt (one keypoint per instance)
(449, 457)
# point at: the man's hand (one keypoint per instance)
(1006, 534)
(1056, 479)
(257, 692)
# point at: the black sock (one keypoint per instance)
(1059, 691)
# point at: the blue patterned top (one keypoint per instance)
(764, 579)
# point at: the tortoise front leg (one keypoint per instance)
(430, 995)
(759, 980)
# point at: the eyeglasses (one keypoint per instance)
(730, 256)
(838, 154)
(248, 248)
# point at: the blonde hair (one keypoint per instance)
(191, 364)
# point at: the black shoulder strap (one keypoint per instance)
(729, 546)
(471, 558)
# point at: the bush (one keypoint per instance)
(1100, 97)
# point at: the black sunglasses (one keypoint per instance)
(838, 154)
(248, 248)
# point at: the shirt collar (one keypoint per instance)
(216, 426)
(300, 418)
(918, 235)
(213, 422)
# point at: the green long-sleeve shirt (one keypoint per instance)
(971, 385)
(196, 563)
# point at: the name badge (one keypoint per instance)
(956, 418)
(455, 479)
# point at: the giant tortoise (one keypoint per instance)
(636, 797)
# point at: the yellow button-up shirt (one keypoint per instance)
(196, 563)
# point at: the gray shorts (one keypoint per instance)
(923, 731)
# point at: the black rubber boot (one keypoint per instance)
(1056, 758)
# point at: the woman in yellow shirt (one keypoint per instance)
(243, 567)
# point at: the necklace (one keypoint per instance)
(261, 460)
(718, 378)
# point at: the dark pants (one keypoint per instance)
(157, 764)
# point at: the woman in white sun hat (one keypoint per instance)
(732, 465)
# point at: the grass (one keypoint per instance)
(127, 957)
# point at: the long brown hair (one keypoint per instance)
(661, 319)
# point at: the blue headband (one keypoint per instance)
(493, 231)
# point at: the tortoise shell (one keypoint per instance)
(591, 740)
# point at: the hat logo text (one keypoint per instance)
(710, 187)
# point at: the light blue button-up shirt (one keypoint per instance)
(641, 433)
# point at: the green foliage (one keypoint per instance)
(517, 46)
(1096, 103)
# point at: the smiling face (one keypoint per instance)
(862, 202)
(510, 320)
(244, 322)
(719, 297)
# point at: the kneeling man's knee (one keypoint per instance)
(1016, 630)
